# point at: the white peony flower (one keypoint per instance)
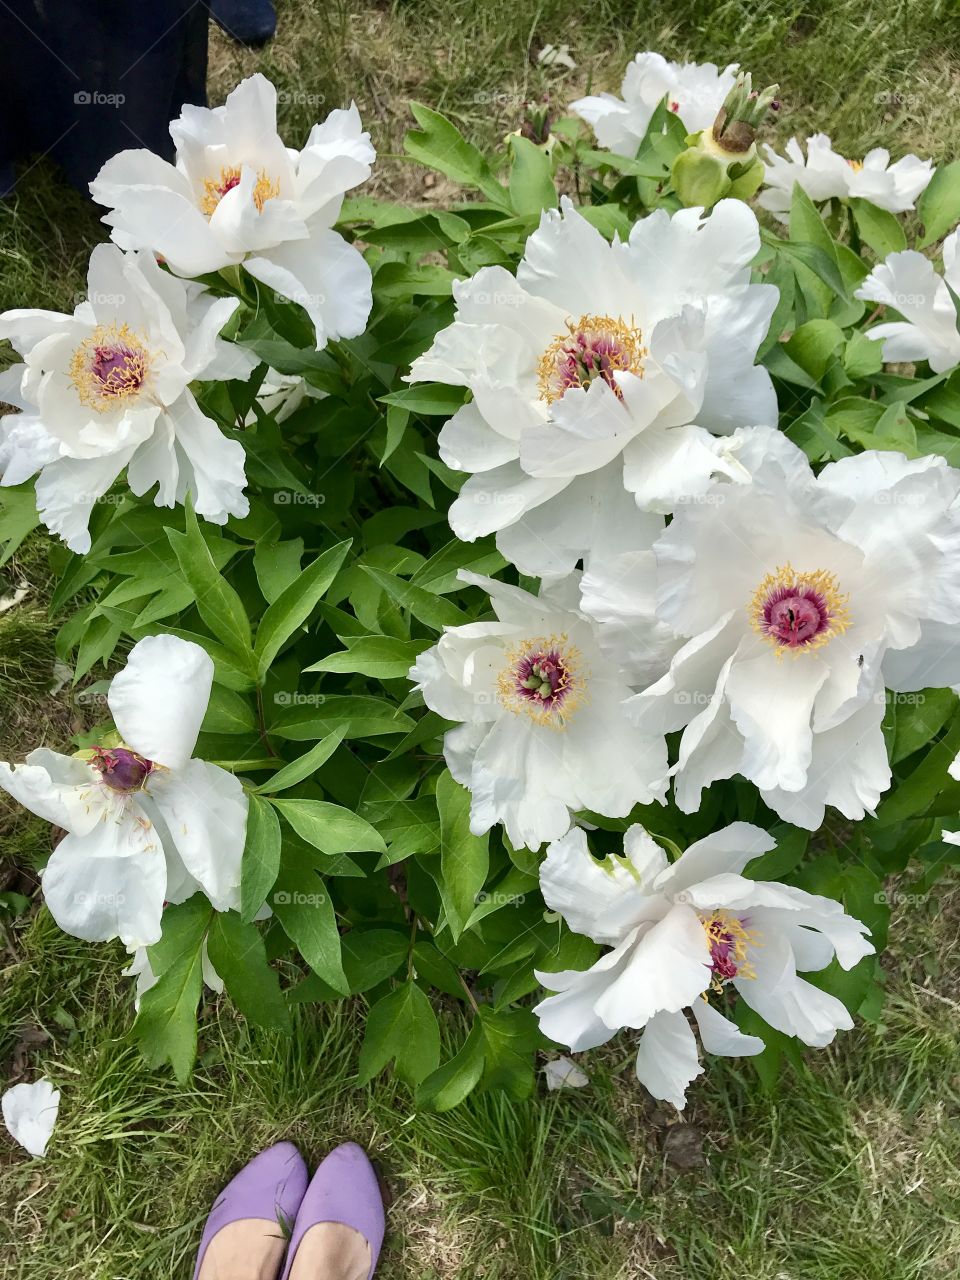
(145, 823)
(825, 175)
(908, 282)
(598, 376)
(799, 597)
(694, 91)
(108, 388)
(542, 731)
(30, 1114)
(237, 194)
(681, 933)
(563, 1073)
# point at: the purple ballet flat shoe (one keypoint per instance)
(344, 1189)
(271, 1187)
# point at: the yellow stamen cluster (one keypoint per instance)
(820, 581)
(855, 165)
(623, 349)
(569, 694)
(101, 390)
(214, 189)
(725, 930)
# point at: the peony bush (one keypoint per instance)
(543, 605)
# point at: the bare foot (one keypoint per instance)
(331, 1251)
(251, 1249)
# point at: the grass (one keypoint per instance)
(851, 1173)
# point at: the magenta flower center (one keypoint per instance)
(543, 679)
(797, 611)
(595, 347)
(729, 938)
(121, 769)
(109, 366)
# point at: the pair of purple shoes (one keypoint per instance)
(274, 1187)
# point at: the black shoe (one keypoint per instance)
(251, 22)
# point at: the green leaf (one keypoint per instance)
(531, 177)
(464, 857)
(447, 1087)
(217, 603)
(370, 956)
(879, 229)
(357, 716)
(237, 953)
(293, 606)
(402, 1027)
(18, 517)
(166, 1026)
(440, 145)
(329, 827)
(432, 610)
(379, 656)
(302, 905)
(511, 1038)
(277, 566)
(920, 717)
(430, 399)
(939, 206)
(228, 712)
(912, 796)
(261, 857)
(814, 346)
(304, 766)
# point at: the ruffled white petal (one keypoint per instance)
(159, 699)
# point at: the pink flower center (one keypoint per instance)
(109, 366)
(797, 611)
(729, 939)
(121, 769)
(594, 347)
(542, 679)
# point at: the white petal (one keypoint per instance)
(788, 1003)
(210, 467)
(727, 850)
(30, 1113)
(721, 1036)
(584, 890)
(667, 969)
(570, 1017)
(67, 490)
(159, 699)
(326, 276)
(667, 1058)
(562, 1073)
(110, 883)
(204, 809)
